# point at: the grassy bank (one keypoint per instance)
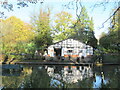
(109, 58)
(24, 61)
(106, 58)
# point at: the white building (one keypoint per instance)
(69, 49)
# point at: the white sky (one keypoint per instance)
(99, 14)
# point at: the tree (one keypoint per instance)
(92, 41)
(62, 28)
(111, 41)
(5, 4)
(84, 29)
(15, 35)
(42, 29)
(77, 6)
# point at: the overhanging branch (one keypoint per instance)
(113, 19)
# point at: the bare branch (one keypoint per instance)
(78, 9)
(104, 3)
(69, 5)
(113, 15)
(78, 4)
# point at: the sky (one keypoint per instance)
(99, 14)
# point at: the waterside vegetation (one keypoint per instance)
(20, 40)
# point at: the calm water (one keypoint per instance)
(61, 77)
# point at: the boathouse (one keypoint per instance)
(69, 49)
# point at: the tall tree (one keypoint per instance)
(92, 41)
(13, 33)
(111, 41)
(41, 26)
(62, 28)
(84, 29)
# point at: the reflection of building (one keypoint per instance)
(70, 74)
(75, 73)
(69, 49)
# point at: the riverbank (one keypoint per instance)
(65, 63)
(44, 62)
(111, 58)
(107, 60)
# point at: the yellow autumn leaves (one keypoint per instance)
(13, 31)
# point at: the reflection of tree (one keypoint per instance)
(31, 77)
(12, 81)
(37, 79)
(111, 76)
(15, 81)
(64, 77)
(114, 77)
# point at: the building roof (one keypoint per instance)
(69, 43)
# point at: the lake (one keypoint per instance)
(58, 76)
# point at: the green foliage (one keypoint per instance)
(111, 40)
(42, 29)
(19, 37)
(84, 29)
(62, 28)
(15, 34)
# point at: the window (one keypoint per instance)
(69, 51)
(80, 51)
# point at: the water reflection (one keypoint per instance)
(70, 74)
(62, 77)
(11, 70)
